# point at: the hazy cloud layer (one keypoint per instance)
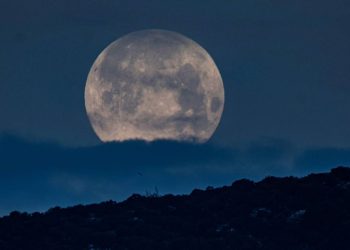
(36, 176)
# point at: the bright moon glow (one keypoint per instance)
(154, 84)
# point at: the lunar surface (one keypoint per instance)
(154, 84)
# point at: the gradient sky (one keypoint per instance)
(285, 67)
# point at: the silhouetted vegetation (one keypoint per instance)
(276, 213)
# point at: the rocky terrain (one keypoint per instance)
(288, 213)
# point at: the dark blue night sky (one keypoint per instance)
(285, 67)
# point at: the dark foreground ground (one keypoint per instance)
(277, 213)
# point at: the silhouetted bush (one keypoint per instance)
(277, 213)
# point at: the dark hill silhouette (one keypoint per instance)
(288, 213)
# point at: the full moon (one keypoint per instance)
(154, 84)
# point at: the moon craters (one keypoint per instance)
(154, 84)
